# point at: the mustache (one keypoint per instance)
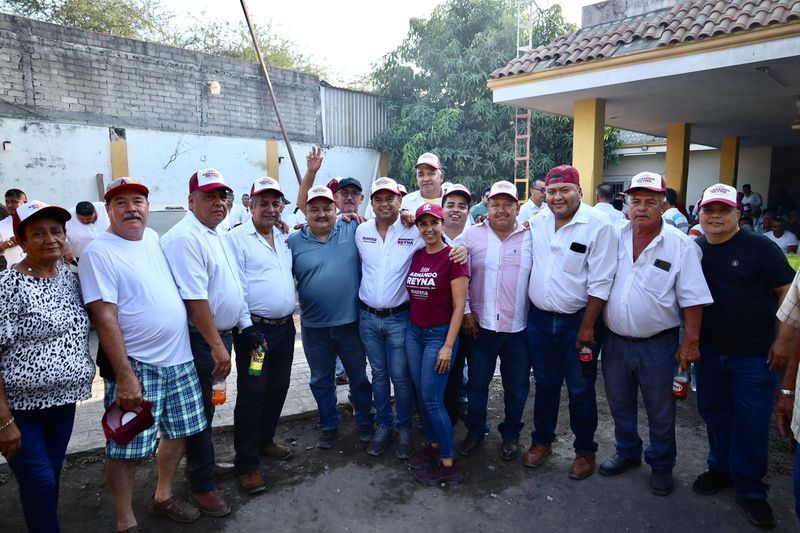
(132, 216)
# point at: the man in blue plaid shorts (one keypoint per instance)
(142, 326)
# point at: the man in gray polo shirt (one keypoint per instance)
(325, 264)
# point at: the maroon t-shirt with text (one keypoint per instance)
(428, 286)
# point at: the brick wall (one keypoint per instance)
(51, 72)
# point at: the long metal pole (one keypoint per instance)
(271, 91)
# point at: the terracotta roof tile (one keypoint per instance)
(686, 21)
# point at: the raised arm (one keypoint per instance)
(313, 164)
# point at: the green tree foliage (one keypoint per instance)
(434, 86)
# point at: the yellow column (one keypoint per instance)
(729, 161)
(587, 142)
(273, 160)
(677, 164)
(119, 158)
(383, 166)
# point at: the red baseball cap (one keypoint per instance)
(434, 210)
(207, 179)
(563, 174)
(124, 184)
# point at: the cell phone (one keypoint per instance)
(578, 247)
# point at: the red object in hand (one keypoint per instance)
(122, 426)
(680, 384)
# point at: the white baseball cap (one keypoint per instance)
(429, 159)
(647, 180)
(720, 192)
(267, 184)
(319, 191)
(457, 188)
(385, 184)
(207, 179)
(503, 187)
(36, 209)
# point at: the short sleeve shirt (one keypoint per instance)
(428, 286)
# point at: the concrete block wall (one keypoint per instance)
(60, 74)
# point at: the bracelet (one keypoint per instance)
(8, 423)
(784, 392)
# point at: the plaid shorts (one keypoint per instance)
(177, 407)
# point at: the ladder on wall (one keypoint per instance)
(526, 12)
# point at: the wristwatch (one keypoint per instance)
(786, 392)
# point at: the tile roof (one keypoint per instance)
(687, 21)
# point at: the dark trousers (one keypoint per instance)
(455, 382)
(200, 446)
(37, 466)
(260, 399)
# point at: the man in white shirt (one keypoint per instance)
(786, 240)
(128, 288)
(207, 277)
(671, 214)
(265, 272)
(534, 204)
(8, 242)
(604, 196)
(659, 278)
(89, 222)
(750, 198)
(430, 177)
(574, 250)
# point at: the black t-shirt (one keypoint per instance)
(742, 274)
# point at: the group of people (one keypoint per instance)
(420, 290)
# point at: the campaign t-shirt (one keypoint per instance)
(742, 274)
(428, 286)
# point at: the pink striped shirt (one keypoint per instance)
(500, 271)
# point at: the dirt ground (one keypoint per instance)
(345, 490)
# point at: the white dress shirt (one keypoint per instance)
(385, 263)
(610, 210)
(573, 263)
(646, 296)
(80, 234)
(14, 254)
(265, 272)
(413, 200)
(529, 209)
(204, 268)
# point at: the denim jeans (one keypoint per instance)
(515, 372)
(37, 466)
(260, 399)
(629, 366)
(734, 397)
(554, 358)
(456, 390)
(422, 347)
(384, 341)
(200, 446)
(321, 346)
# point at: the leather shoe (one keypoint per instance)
(582, 467)
(661, 482)
(536, 455)
(252, 482)
(470, 445)
(221, 471)
(277, 451)
(617, 464)
(510, 450)
(211, 504)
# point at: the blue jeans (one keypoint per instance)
(554, 358)
(384, 341)
(37, 466)
(321, 346)
(422, 347)
(629, 366)
(515, 372)
(734, 397)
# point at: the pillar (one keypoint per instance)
(677, 164)
(273, 160)
(119, 157)
(587, 142)
(383, 166)
(729, 161)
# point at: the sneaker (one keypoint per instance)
(437, 474)
(328, 439)
(425, 457)
(711, 482)
(365, 433)
(380, 440)
(758, 512)
(405, 444)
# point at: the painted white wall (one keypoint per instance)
(54, 163)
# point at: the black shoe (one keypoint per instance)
(470, 445)
(661, 482)
(365, 433)
(510, 450)
(711, 482)
(405, 443)
(758, 512)
(617, 464)
(380, 440)
(328, 439)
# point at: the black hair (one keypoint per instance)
(16, 194)
(605, 191)
(672, 196)
(84, 209)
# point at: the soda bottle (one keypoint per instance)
(693, 377)
(219, 392)
(586, 357)
(257, 358)
(680, 384)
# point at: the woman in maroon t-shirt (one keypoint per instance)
(437, 290)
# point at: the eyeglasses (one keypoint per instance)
(348, 194)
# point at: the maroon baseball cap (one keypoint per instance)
(563, 174)
(430, 209)
(207, 179)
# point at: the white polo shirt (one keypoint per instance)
(646, 296)
(14, 254)
(571, 264)
(79, 234)
(385, 263)
(265, 273)
(204, 268)
(610, 210)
